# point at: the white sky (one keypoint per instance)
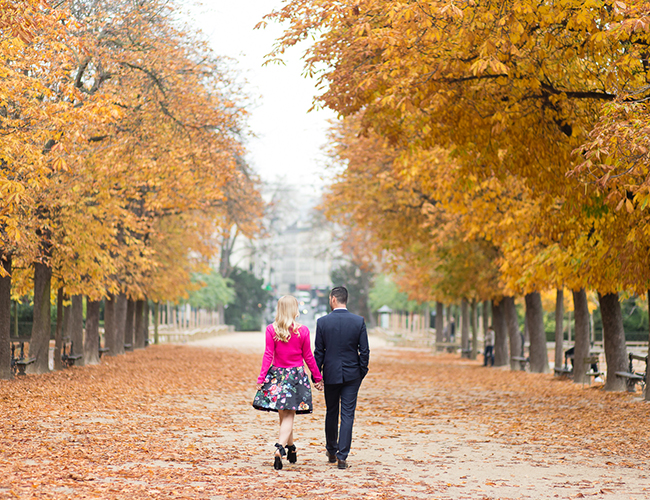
(289, 140)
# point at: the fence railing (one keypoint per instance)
(426, 337)
(167, 334)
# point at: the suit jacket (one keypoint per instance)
(342, 352)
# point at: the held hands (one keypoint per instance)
(319, 385)
(259, 386)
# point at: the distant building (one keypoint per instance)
(303, 258)
(297, 259)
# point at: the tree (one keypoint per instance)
(508, 94)
(246, 311)
(385, 292)
(124, 139)
(214, 292)
(358, 283)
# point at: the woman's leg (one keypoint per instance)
(286, 427)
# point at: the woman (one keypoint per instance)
(283, 385)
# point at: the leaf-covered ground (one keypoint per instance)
(176, 422)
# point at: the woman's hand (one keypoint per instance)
(319, 385)
(259, 386)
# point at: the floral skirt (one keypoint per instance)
(284, 389)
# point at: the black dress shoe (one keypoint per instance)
(331, 457)
(292, 456)
(279, 453)
(342, 464)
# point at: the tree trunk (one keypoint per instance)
(440, 321)
(91, 345)
(614, 340)
(538, 352)
(221, 313)
(66, 321)
(77, 327)
(647, 365)
(39, 346)
(120, 322)
(559, 328)
(156, 321)
(145, 323)
(139, 325)
(474, 315)
(464, 334)
(581, 346)
(512, 324)
(130, 322)
(58, 335)
(501, 357)
(486, 317)
(5, 319)
(110, 334)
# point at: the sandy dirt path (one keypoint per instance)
(175, 421)
(430, 454)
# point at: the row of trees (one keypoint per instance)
(489, 150)
(121, 162)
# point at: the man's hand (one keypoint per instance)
(319, 385)
(259, 386)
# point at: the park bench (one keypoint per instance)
(128, 347)
(631, 377)
(20, 364)
(590, 361)
(103, 350)
(523, 361)
(447, 346)
(565, 371)
(68, 358)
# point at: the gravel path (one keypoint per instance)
(175, 421)
(427, 451)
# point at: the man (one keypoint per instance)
(342, 355)
(488, 356)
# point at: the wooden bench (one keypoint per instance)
(68, 358)
(631, 377)
(20, 364)
(591, 360)
(447, 346)
(522, 362)
(103, 350)
(566, 371)
(563, 372)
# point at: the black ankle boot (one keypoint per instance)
(277, 464)
(291, 453)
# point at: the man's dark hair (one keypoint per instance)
(340, 293)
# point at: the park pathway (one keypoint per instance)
(175, 421)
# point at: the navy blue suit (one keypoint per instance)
(342, 355)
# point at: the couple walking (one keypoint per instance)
(338, 365)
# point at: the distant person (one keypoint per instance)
(342, 354)
(452, 330)
(488, 355)
(283, 386)
(569, 354)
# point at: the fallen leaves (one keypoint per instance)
(176, 422)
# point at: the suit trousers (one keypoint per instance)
(340, 398)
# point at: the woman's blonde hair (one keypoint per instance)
(285, 318)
